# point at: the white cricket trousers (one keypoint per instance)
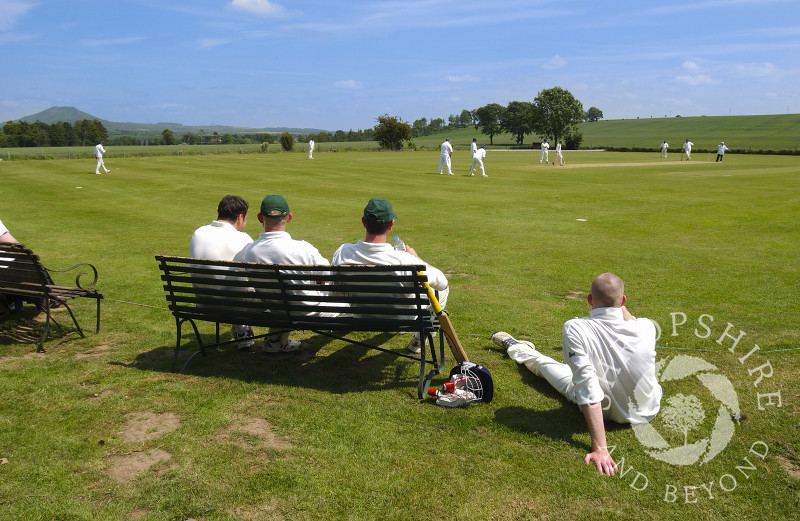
(445, 160)
(476, 160)
(557, 374)
(100, 164)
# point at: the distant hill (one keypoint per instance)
(59, 114)
(71, 114)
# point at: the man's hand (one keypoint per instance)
(603, 461)
(599, 455)
(626, 314)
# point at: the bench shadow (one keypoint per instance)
(27, 326)
(351, 368)
(562, 424)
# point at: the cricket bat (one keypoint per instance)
(447, 327)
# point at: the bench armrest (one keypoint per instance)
(80, 274)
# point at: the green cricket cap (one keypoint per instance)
(274, 206)
(379, 210)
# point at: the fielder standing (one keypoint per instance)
(98, 153)
(477, 158)
(559, 157)
(664, 148)
(444, 158)
(545, 146)
(311, 149)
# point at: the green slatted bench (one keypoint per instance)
(390, 299)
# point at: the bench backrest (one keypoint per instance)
(21, 273)
(362, 298)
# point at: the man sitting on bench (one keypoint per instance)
(222, 240)
(378, 220)
(276, 246)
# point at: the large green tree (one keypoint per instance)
(465, 119)
(168, 136)
(489, 120)
(556, 113)
(390, 132)
(593, 114)
(518, 119)
(420, 127)
(90, 131)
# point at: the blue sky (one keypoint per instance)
(340, 64)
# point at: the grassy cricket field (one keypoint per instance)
(100, 429)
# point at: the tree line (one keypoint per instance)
(91, 131)
(23, 134)
(554, 114)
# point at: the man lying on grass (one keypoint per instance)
(610, 365)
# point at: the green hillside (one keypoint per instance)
(751, 133)
(778, 132)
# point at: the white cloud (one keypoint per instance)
(208, 43)
(690, 66)
(697, 79)
(556, 62)
(262, 7)
(12, 11)
(464, 78)
(758, 70)
(349, 84)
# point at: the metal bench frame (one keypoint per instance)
(24, 276)
(390, 299)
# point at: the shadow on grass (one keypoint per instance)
(27, 326)
(351, 368)
(562, 424)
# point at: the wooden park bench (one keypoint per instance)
(23, 276)
(363, 298)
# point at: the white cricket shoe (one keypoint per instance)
(414, 345)
(275, 346)
(504, 340)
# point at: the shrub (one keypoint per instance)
(573, 140)
(287, 141)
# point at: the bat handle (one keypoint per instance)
(437, 308)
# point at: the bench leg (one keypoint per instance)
(97, 326)
(425, 379)
(177, 344)
(48, 319)
(40, 347)
(178, 323)
(74, 321)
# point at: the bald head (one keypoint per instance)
(608, 290)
